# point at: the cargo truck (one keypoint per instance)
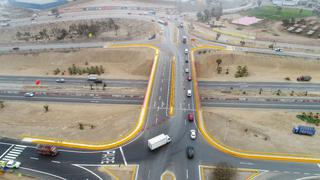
(304, 130)
(158, 141)
(304, 78)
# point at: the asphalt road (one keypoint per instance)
(306, 86)
(70, 81)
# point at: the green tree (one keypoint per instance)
(200, 16)
(46, 108)
(218, 61)
(1, 104)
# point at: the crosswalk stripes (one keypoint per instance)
(14, 152)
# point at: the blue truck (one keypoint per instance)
(304, 130)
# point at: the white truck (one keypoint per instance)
(158, 141)
(92, 77)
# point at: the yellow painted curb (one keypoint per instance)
(233, 34)
(172, 87)
(112, 174)
(131, 135)
(173, 177)
(229, 150)
(252, 176)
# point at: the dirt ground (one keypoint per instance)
(9, 176)
(122, 172)
(101, 123)
(240, 175)
(262, 130)
(129, 29)
(261, 68)
(129, 63)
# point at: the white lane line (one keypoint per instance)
(42, 172)
(306, 173)
(6, 151)
(159, 98)
(20, 146)
(124, 158)
(34, 158)
(14, 155)
(318, 165)
(286, 172)
(88, 171)
(10, 157)
(199, 169)
(149, 174)
(16, 151)
(246, 163)
(137, 172)
(6, 159)
(187, 173)
(157, 120)
(58, 162)
(296, 172)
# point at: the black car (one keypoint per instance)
(190, 152)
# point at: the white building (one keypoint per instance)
(285, 2)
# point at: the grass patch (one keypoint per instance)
(310, 118)
(274, 13)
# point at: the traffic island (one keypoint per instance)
(214, 172)
(120, 172)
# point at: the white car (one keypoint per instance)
(186, 51)
(29, 94)
(10, 164)
(61, 80)
(193, 134)
(278, 50)
(186, 70)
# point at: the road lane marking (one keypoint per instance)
(42, 172)
(58, 162)
(137, 172)
(34, 158)
(88, 171)
(318, 165)
(14, 155)
(149, 174)
(16, 151)
(124, 158)
(22, 146)
(6, 151)
(246, 163)
(10, 157)
(296, 172)
(187, 173)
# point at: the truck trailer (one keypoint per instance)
(158, 141)
(304, 130)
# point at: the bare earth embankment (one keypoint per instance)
(101, 123)
(261, 130)
(129, 63)
(261, 68)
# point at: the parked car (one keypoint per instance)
(189, 78)
(278, 50)
(190, 152)
(193, 134)
(15, 48)
(29, 94)
(61, 80)
(190, 117)
(189, 93)
(186, 70)
(186, 51)
(13, 164)
(10, 164)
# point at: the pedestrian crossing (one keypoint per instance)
(13, 152)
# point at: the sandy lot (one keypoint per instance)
(101, 123)
(260, 67)
(122, 173)
(8, 176)
(129, 29)
(241, 175)
(129, 63)
(261, 130)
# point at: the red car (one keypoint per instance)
(190, 117)
(189, 78)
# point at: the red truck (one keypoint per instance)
(47, 150)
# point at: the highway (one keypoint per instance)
(81, 164)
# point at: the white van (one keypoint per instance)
(189, 93)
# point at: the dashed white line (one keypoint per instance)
(149, 174)
(286, 172)
(296, 172)
(34, 158)
(306, 173)
(187, 173)
(58, 162)
(20, 146)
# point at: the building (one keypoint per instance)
(37, 4)
(285, 2)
